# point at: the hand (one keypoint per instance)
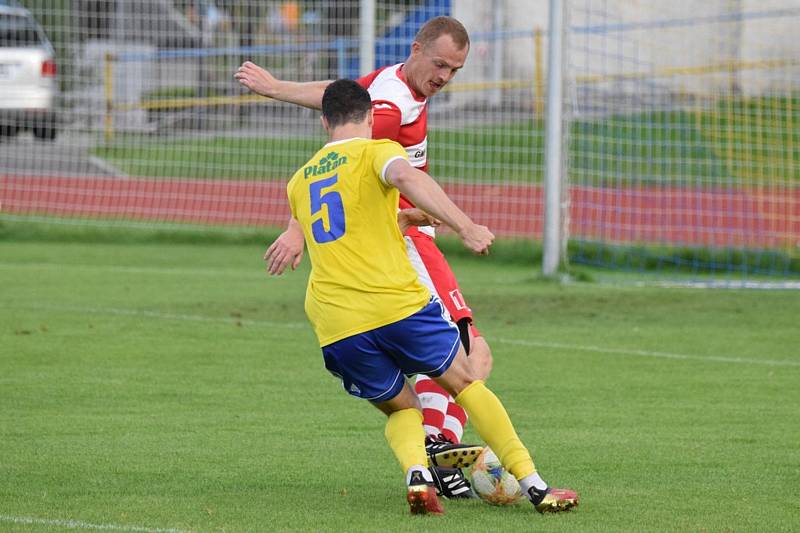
(477, 238)
(414, 217)
(257, 79)
(286, 250)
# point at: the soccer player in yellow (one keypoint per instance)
(376, 323)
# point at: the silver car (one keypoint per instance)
(27, 75)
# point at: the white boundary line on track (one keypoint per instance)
(518, 342)
(77, 524)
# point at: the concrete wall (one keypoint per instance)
(771, 39)
(647, 48)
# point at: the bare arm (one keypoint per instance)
(429, 196)
(286, 250)
(407, 218)
(261, 81)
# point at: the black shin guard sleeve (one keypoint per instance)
(463, 332)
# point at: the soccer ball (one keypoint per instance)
(493, 483)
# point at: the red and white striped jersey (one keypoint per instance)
(399, 113)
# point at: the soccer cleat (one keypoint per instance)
(553, 500)
(442, 452)
(451, 483)
(422, 497)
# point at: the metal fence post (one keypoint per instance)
(366, 62)
(553, 149)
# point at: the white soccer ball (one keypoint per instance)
(492, 482)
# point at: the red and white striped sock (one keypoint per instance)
(454, 421)
(434, 404)
(439, 412)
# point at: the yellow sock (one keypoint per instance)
(407, 438)
(491, 420)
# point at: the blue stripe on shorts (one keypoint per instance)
(371, 365)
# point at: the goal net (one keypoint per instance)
(683, 135)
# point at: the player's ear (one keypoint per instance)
(416, 48)
(324, 123)
(370, 119)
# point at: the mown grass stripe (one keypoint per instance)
(521, 342)
(158, 315)
(78, 524)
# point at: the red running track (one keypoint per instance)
(756, 217)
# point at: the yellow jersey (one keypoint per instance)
(361, 277)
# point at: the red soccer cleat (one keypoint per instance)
(554, 500)
(421, 497)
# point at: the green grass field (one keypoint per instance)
(159, 386)
(740, 140)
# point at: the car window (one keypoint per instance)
(18, 31)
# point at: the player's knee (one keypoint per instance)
(405, 399)
(461, 384)
(459, 376)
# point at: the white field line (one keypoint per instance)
(646, 353)
(233, 272)
(162, 316)
(77, 524)
(519, 342)
(730, 284)
(107, 167)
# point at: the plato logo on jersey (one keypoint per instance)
(327, 164)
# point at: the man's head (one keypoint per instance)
(439, 50)
(345, 102)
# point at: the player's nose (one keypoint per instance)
(446, 76)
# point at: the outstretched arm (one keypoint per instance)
(261, 81)
(429, 196)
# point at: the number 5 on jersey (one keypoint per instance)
(335, 211)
